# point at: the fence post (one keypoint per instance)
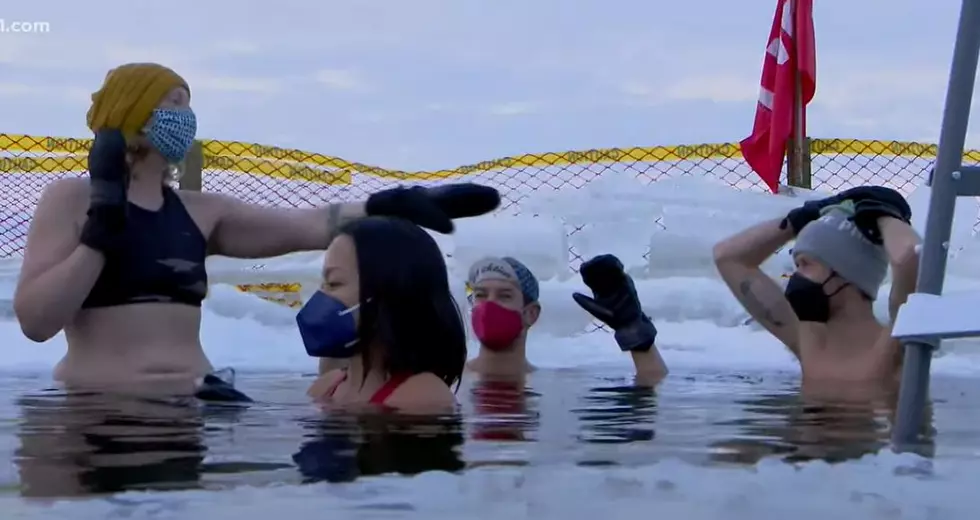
(193, 168)
(939, 222)
(798, 167)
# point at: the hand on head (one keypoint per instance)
(109, 177)
(886, 203)
(138, 107)
(868, 203)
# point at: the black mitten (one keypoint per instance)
(615, 303)
(434, 208)
(886, 203)
(109, 182)
(810, 210)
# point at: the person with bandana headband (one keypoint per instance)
(843, 247)
(503, 295)
(117, 260)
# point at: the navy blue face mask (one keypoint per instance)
(327, 327)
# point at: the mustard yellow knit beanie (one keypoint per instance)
(129, 95)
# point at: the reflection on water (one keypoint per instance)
(343, 448)
(800, 429)
(82, 444)
(503, 410)
(79, 444)
(88, 443)
(618, 414)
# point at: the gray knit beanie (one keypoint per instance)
(835, 241)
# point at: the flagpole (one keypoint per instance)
(798, 165)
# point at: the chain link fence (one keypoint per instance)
(285, 177)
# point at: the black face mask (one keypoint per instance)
(807, 298)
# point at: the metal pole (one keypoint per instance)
(939, 222)
(794, 170)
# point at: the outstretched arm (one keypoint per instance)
(738, 259)
(246, 230)
(252, 231)
(615, 302)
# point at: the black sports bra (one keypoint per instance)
(163, 260)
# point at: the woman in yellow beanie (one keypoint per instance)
(117, 261)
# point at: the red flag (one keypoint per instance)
(791, 48)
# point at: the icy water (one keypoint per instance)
(568, 442)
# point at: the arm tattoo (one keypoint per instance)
(756, 305)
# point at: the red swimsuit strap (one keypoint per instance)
(389, 388)
(383, 393)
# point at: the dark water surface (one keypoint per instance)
(74, 445)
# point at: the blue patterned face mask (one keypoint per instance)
(171, 131)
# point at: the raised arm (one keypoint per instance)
(900, 241)
(738, 259)
(615, 302)
(62, 261)
(244, 230)
(884, 217)
(57, 271)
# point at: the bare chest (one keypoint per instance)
(853, 362)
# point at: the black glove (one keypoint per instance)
(615, 303)
(434, 208)
(810, 210)
(109, 181)
(888, 203)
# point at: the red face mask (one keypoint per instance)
(495, 326)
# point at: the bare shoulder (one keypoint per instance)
(324, 383)
(70, 190)
(201, 197)
(424, 391)
(206, 209)
(209, 203)
(61, 201)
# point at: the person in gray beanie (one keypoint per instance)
(843, 247)
(835, 241)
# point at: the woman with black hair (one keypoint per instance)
(385, 305)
